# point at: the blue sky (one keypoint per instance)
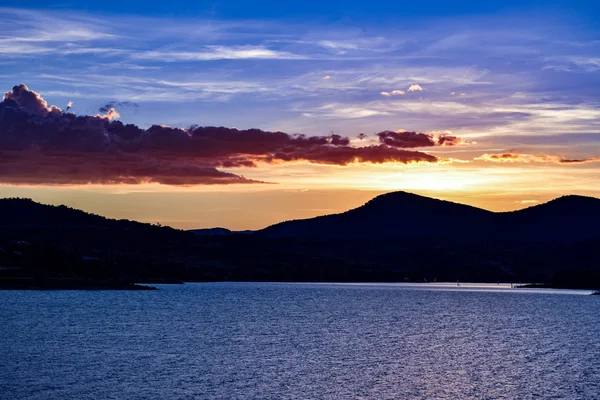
(278, 70)
(331, 10)
(508, 77)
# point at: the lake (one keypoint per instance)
(301, 341)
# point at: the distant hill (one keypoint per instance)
(17, 212)
(218, 232)
(565, 219)
(61, 242)
(402, 214)
(71, 227)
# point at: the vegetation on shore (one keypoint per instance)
(63, 246)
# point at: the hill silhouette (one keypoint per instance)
(218, 232)
(389, 215)
(18, 213)
(397, 236)
(402, 214)
(565, 219)
(72, 228)
(61, 247)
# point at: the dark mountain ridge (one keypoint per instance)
(20, 212)
(64, 224)
(564, 219)
(394, 237)
(395, 214)
(218, 231)
(402, 214)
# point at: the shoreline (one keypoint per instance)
(68, 284)
(29, 283)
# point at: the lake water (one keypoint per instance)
(300, 341)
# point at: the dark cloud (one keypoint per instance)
(406, 140)
(532, 158)
(116, 104)
(347, 155)
(43, 145)
(579, 161)
(449, 140)
(42, 168)
(409, 140)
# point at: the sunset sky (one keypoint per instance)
(321, 105)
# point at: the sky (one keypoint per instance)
(243, 114)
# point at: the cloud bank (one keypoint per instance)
(41, 144)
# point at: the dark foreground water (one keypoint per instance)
(297, 341)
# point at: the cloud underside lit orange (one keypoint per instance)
(42, 145)
(51, 168)
(532, 158)
(34, 168)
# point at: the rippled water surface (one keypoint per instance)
(300, 341)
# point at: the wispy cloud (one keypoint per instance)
(573, 63)
(211, 53)
(532, 158)
(26, 32)
(528, 201)
(396, 92)
(341, 111)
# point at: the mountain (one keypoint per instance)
(394, 237)
(21, 213)
(402, 215)
(69, 248)
(69, 227)
(565, 219)
(390, 215)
